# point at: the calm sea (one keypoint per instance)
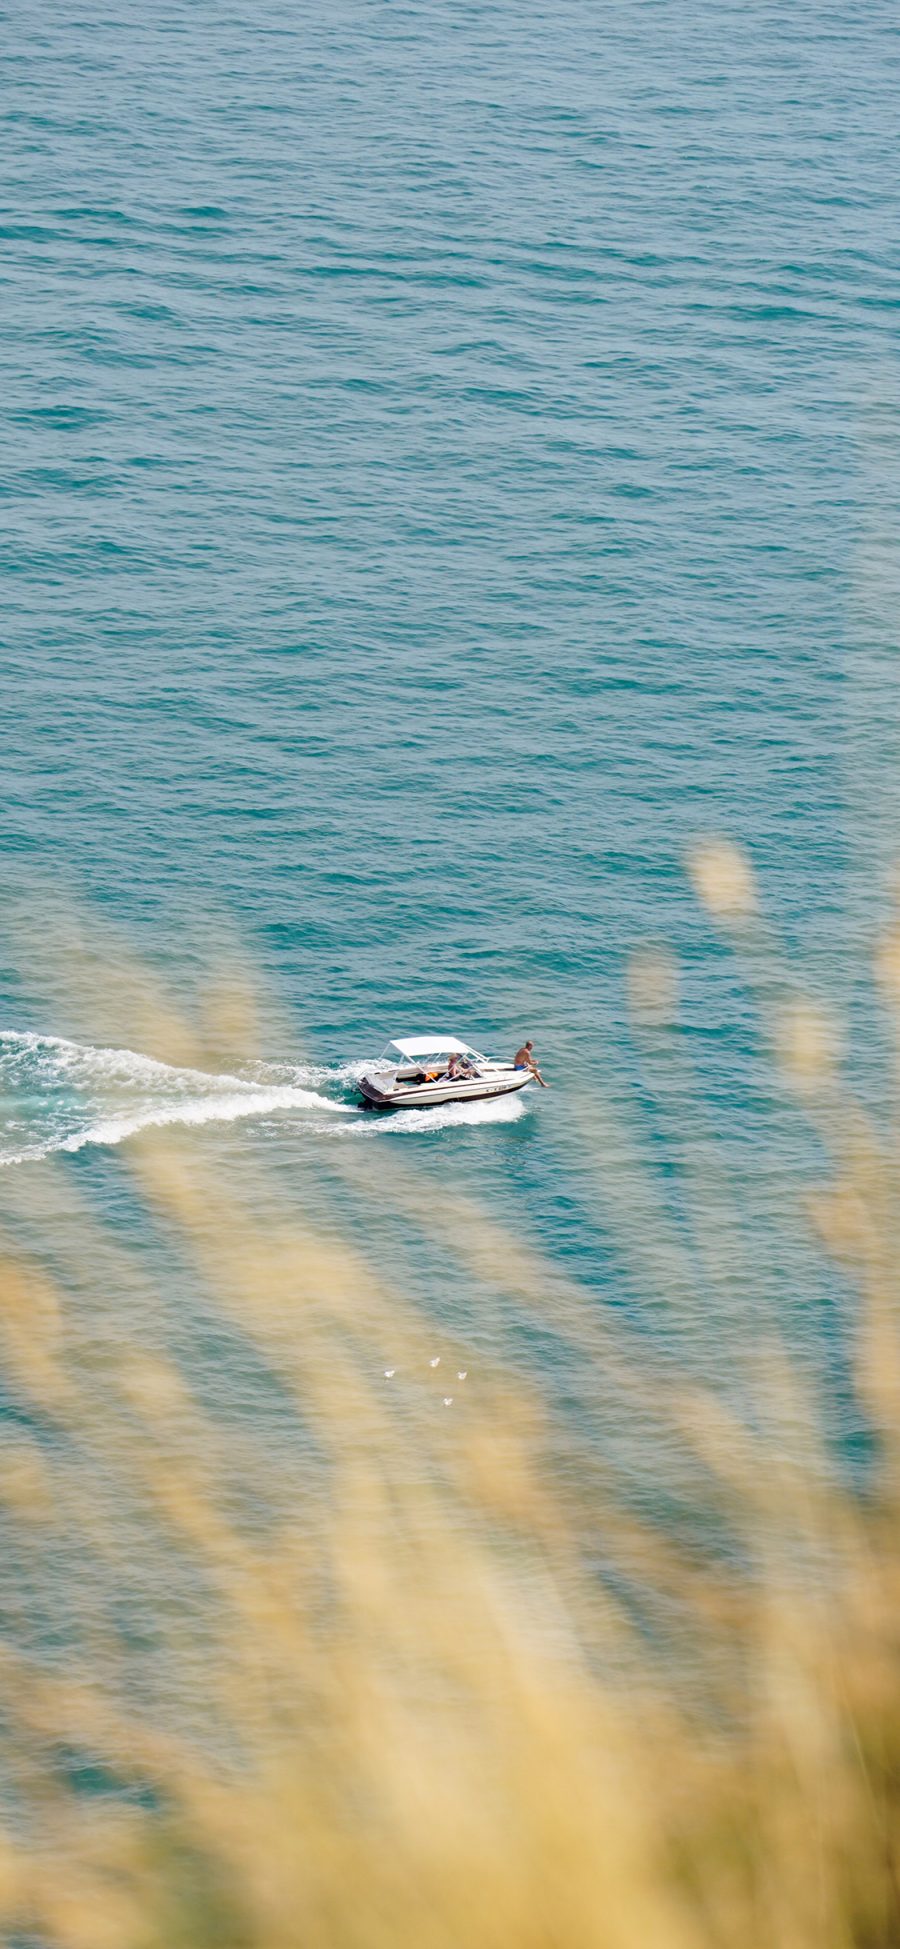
(449, 465)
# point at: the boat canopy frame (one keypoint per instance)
(414, 1048)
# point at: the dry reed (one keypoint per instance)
(420, 1689)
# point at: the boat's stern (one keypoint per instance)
(378, 1091)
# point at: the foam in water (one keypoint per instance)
(62, 1095)
(448, 1116)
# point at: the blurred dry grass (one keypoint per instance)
(414, 1712)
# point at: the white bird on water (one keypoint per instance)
(436, 1361)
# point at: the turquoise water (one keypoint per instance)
(448, 467)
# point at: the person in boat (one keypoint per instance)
(459, 1067)
(524, 1059)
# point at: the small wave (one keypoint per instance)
(343, 1075)
(450, 1116)
(225, 1109)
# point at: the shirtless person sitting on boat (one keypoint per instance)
(523, 1059)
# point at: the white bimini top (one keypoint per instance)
(412, 1047)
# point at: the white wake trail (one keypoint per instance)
(449, 1116)
(63, 1095)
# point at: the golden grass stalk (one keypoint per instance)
(395, 1676)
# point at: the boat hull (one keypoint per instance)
(426, 1096)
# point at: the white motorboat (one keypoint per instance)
(419, 1071)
